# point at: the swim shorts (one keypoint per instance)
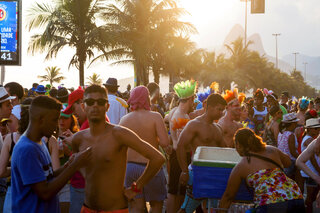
(86, 209)
(154, 190)
(174, 187)
(64, 194)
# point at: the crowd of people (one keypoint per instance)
(95, 149)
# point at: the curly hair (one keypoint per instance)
(258, 94)
(247, 139)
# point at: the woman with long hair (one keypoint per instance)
(68, 125)
(261, 167)
(7, 149)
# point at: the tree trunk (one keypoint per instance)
(145, 75)
(81, 72)
(156, 74)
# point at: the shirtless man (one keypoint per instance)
(178, 118)
(202, 131)
(151, 128)
(104, 190)
(229, 122)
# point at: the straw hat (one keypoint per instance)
(4, 96)
(313, 123)
(290, 118)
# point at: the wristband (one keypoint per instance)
(134, 188)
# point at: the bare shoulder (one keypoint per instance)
(120, 131)
(194, 123)
(271, 149)
(77, 137)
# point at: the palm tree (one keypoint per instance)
(143, 29)
(94, 79)
(53, 75)
(68, 23)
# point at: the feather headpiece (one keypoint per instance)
(185, 89)
(230, 95)
(304, 103)
(202, 96)
(214, 87)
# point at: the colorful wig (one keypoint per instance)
(230, 95)
(304, 103)
(241, 97)
(185, 89)
(202, 96)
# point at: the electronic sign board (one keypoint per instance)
(10, 33)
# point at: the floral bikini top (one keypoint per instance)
(272, 186)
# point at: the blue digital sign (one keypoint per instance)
(9, 32)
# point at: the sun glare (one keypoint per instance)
(203, 10)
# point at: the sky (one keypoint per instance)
(298, 21)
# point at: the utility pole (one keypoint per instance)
(305, 71)
(276, 36)
(245, 25)
(295, 60)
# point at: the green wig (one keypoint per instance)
(185, 89)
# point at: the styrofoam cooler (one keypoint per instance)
(211, 170)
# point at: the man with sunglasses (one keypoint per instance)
(106, 172)
(77, 183)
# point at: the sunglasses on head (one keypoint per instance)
(91, 101)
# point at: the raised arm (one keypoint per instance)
(54, 153)
(306, 155)
(232, 188)
(129, 139)
(46, 190)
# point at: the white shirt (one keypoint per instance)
(118, 108)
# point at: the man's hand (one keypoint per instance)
(184, 177)
(129, 193)
(67, 137)
(83, 157)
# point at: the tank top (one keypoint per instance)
(283, 143)
(10, 154)
(272, 186)
(308, 163)
(259, 115)
(270, 140)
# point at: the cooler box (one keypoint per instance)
(211, 170)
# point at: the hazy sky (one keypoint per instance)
(298, 21)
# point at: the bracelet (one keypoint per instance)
(134, 188)
(185, 172)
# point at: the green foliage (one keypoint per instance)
(250, 70)
(94, 79)
(144, 31)
(53, 75)
(67, 23)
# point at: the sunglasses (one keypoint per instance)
(91, 101)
